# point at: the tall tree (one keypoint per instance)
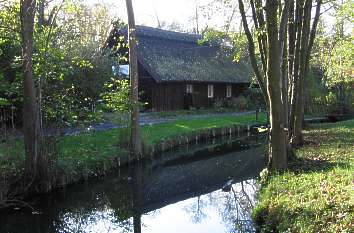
(284, 49)
(31, 121)
(278, 154)
(305, 37)
(134, 85)
(270, 40)
(251, 48)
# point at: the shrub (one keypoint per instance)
(239, 103)
(219, 104)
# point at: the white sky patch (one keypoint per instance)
(147, 11)
(183, 12)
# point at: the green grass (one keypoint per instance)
(154, 133)
(316, 194)
(191, 112)
(89, 150)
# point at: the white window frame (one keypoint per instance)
(189, 88)
(228, 91)
(210, 91)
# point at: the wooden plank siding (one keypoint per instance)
(168, 96)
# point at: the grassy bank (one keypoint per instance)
(316, 194)
(90, 152)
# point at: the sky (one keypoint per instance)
(147, 11)
(179, 11)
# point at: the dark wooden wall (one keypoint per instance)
(167, 96)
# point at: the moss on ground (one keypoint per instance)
(316, 194)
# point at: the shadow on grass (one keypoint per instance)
(278, 219)
(308, 165)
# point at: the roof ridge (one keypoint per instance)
(146, 31)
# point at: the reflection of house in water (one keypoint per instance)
(188, 178)
(175, 182)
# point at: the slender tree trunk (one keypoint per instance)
(284, 62)
(261, 45)
(41, 7)
(307, 40)
(283, 55)
(297, 138)
(134, 92)
(262, 27)
(30, 106)
(291, 49)
(295, 70)
(252, 52)
(278, 155)
(137, 196)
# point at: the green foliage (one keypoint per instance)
(341, 62)
(70, 64)
(232, 42)
(333, 56)
(249, 100)
(10, 52)
(4, 102)
(240, 103)
(116, 96)
(212, 36)
(239, 44)
(316, 194)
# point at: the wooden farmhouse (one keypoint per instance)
(177, 72)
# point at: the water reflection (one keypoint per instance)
(173, 195)
(214, 212)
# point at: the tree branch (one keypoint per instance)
(251, 50)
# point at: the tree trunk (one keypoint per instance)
(297, 138)
(296, 64)
(278, 155)
(134, 91)
(252, 53)
(41, 7)
(31, 129)
(261, 45)
(291, 49)
(262, 26)
(137, 195)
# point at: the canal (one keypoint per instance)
(205, 187)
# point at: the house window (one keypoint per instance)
(189, 88)
(210, 91)
(228, 91)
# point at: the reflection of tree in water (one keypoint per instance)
(197, 209)
(95, 215)
(234, 207)
(102, 219)
(237, 208)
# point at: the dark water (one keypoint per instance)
(180, 191)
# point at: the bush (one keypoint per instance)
(219, 104)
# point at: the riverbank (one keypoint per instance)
(92, 154)
(316, 194)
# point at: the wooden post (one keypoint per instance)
(134, 85)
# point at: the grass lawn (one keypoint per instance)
(90, 150)
(317, 193)
(155, 133)
(191, 112)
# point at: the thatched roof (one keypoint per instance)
(175, 56)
